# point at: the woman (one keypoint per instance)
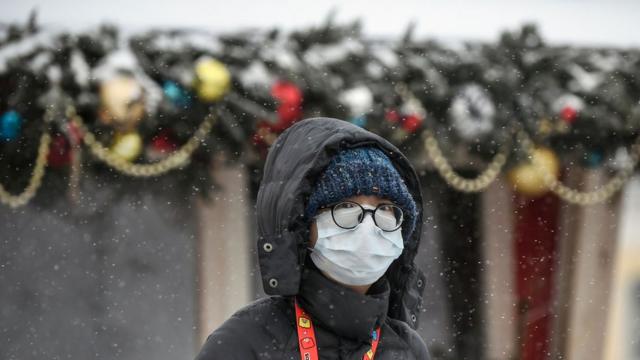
(339, 219)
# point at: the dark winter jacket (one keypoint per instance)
(343, 319)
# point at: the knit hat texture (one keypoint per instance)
(363, 170)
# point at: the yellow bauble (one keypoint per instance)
(212, 79)
(122, 102)
(127, 145)
(528, 178)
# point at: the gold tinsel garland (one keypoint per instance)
(35, 181)
(177, 159)
(181, 157)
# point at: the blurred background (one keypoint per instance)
(133, 136)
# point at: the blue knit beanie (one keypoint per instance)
(364, 170)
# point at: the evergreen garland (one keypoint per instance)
(581, 102)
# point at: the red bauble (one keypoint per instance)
(289, 110)
(163, 142)
(286, 93)
(288, 114)
(59, 152)
(568, 114)
(411, 123)
(392, 116)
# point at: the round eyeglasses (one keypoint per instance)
(348, 214)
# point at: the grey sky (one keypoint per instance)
(592, 22)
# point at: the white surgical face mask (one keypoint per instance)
(357, 256)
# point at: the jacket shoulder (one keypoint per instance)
(258, 327)
(411, 337)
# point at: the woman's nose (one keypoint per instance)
(370, 215)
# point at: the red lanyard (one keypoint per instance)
(307, 337)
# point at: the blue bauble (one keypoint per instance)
(594, 158)
(10, 124)
(359, 121)
(179, 96)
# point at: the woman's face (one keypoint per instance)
(371, 200)
(360, 199)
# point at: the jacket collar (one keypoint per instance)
(341, 310)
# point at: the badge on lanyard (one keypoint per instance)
(307, 337)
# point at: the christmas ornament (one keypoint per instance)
(472, 112)
(568, 107)
(411, 123)
(568, 114)
(392, 116)
(127, 145)
(289, 110)
(359, 100)
(59, 152)
(10, 124)
(593, 158)
(178, 96)
(122, 102)
(123, 61)
(359, 121)
(289, 99)
(286, 92)
(213, 79)
(528, 178)
(161, 145)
